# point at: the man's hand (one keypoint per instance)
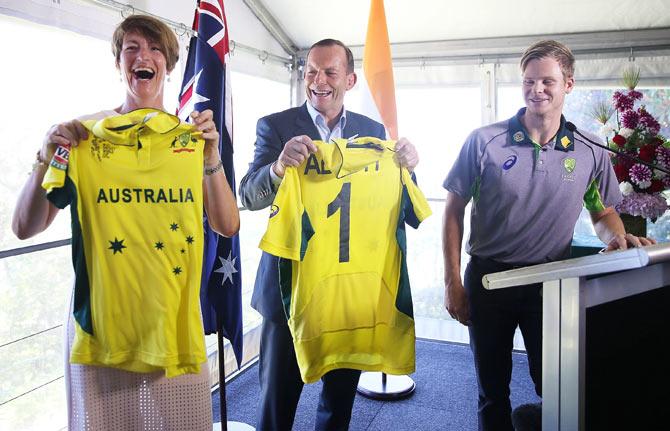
(406, 154)
(296, 150)
(622, 242)
(456, 301)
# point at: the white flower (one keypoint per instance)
(607, 130)
(626, 188)
(626, 132)
(644, 184)
(659, 174)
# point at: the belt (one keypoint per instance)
(491, 265)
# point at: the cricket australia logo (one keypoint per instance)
(569, 165)
(183, 140)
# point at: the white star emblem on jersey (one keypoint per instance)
(227, 268)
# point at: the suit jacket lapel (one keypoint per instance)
(351, 127)
(304, 124)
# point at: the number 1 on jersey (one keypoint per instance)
(342, 202)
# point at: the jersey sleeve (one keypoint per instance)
(603, 192)
(463, 178)
(288, 228)
(62, 196)
(55, 181)
(414, 204)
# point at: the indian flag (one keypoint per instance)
(377, 87)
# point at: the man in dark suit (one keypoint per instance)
(285, 139)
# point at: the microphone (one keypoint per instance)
(571, 127)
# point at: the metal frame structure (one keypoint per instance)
(570, 287)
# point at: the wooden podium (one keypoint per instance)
(606, 338)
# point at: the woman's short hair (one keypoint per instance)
(154, 30)
(552, 49)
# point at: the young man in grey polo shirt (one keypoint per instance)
(528, 178)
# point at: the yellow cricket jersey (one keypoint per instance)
(135, 192)
(338, 223)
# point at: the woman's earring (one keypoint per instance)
(168, 78)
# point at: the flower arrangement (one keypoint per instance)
(636, 133)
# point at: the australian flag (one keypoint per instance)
(206, 85)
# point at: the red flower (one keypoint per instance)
(619, 140)
(647, 152)
(627, 161)
(621, 172)
(656, 186)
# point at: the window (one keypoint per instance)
(247, 91)
(35, 287)
(578, 110)
(438, 130)
(437, 120)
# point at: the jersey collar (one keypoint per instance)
(358, 153)
(125, 129)
(564, 139)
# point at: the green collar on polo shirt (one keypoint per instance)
(564, 139)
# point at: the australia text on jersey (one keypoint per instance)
(144, 195)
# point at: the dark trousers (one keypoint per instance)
(281, 386)
(495, 315)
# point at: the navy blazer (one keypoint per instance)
(256, 191)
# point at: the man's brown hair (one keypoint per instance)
(552, 49)
(335, 42)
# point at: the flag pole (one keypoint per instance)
(381, 386)
(224, 425)
(380, 87)
(223, 409)
(205, 85)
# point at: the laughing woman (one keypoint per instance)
(136, 180)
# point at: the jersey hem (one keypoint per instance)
(397, 371)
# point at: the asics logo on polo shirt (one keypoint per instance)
(511, 161)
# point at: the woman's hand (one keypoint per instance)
(204, 122)
(220, 204)
(65, 134)
(33, 212)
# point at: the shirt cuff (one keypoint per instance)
(274, 178)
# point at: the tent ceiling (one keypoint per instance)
(420, 30)
(437, 20)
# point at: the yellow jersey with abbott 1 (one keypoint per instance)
(338, 223)
(135, 192)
